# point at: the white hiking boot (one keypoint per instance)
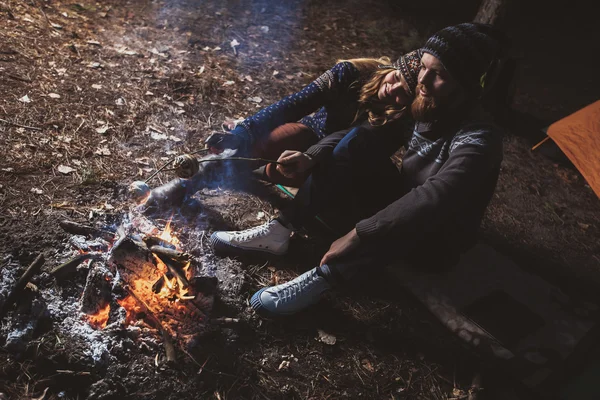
(271, 237)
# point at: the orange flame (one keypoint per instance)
(131, 306)
(166, 234)
(173, 287)
(100, 319)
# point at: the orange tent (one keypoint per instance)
(578, 136)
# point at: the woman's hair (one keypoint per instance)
(371, 77)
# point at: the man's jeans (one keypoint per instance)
(355, 182)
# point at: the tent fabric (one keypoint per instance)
(578, 136)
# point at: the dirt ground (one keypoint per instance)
(98, 94)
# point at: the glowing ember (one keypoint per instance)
(131, 306)
(100, 319)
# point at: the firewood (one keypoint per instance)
(70, 266)
(175, 269)
(79, 229)
(158, 285)
(171, 253)
(34, 268)
(156, 241)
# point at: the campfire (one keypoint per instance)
(140, 276)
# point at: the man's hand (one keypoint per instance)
(342, 246)
(294, 163)
(217, 142)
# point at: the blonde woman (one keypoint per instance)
(350, 93)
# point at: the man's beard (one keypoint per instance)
(425, 109)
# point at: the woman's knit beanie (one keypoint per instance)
(409, 65)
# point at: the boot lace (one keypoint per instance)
(290, 290)
(252, 233)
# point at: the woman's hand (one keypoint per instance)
(217, 142)
(294, 163)
(342, 246)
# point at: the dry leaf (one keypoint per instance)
(64, 169)
(158, 136)
(285, 364)
(103, 151)
(25, 99)
(102, 129)
(326, 337)
(275, 73)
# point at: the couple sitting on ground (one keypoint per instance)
(425, 214)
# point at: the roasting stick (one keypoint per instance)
(169, 162)
(167, 340)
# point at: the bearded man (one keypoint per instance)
(425, 215)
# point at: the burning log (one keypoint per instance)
(156, 241)
(33, 269)
(158, 285)
(70, 266)
(97, 292)
(175, 268)
(79, 229)
(204, 284)
(171, 253)
(133, 256)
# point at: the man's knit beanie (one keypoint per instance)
(409, 65)
(466, 50)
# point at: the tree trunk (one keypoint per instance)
(492, 12)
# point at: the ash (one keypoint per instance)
(8, 278)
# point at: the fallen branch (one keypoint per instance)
(33, 269)
(33, 128)
(70, 266)
(19, 78)
(79, 229)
